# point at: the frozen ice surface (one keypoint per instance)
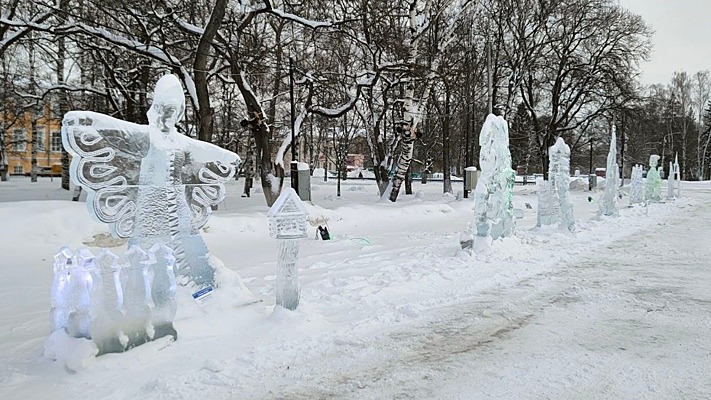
(608, 203)
(149, 182)
(653, 187)
(493, 206)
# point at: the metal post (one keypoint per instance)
(590, 182)
(294, 164)
(591, 156)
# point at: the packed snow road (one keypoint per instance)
(631, 320)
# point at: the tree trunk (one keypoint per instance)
(248, 166)
(200, 70)
(33, 125)
(408, 181)
(271, 185)
(403, 165)
(63, 105)
(446, 156)
(3, 124)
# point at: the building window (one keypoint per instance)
(56, 144)
(17, 170)
(18, 139)
(39, 135)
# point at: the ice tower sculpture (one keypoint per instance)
(653, 187)
(287, 223)
(118, 303)
(150, 183)
(554, 205)
(678, 175)
(608, 203)
(671, 185)
(493, 194)
(637, 185)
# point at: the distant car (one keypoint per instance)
(46, 171)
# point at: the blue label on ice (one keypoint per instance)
(202, 293)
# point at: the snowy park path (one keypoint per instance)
(631, 322)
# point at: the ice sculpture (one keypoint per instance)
(678, 175)
(670, 182)
(653, 187)
(466, 239)
(148, 182)
(608, 203)
(493, 194)
(287, 223)
(118, 303)
(554, 204)
(637, 185)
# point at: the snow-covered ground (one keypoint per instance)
(390, 308)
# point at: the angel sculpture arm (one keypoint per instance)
(106, 159)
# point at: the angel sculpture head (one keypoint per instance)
(653, 160)
(148, 182)
(168, 105)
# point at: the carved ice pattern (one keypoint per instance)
(118, 302)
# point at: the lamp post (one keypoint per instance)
(294, 164)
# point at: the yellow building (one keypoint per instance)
(18, 143)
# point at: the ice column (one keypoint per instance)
(637, 185)
(493, 194)
(653, 187)
(612, 180)
(670, 182)
(554, 205)
(287, 223)
(678, 175)
(80, 285)
(61, 307)
(107, 306)
(117, 302)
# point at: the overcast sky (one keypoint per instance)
(682, 38)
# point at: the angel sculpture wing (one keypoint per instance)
(106, 160)
(204, 173)
(114, 161)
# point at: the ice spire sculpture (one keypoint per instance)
(637, 185)
(287, 223)
(554, 204)
(670, 182)
(653, 187)
(148, 182)
(678, 175)
(493, 194)
(608, 203)
(118, 303)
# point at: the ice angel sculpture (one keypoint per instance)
(150, 183)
